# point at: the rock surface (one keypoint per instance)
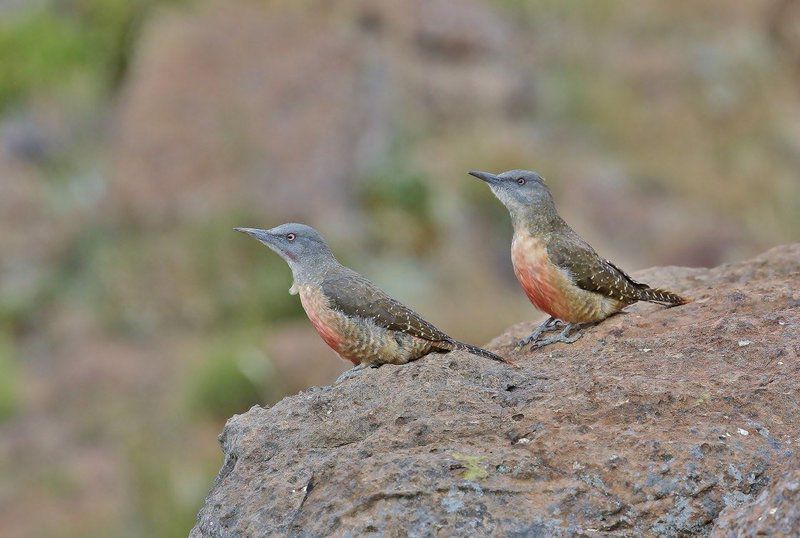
(776, 512)
(659, 421)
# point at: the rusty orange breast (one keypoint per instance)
(540, 279)
(324, 319)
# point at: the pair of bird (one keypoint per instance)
(560, 273)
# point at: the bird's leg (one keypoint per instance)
(564, 336)
(352, 372)
(547, 325)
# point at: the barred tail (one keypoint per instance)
(662, 297)
(480, 352)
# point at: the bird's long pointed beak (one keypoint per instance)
(262, 235)
(485, 176)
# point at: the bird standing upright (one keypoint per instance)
(353, 316)
(561, 273)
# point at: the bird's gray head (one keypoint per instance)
(519, 190)
(300, 245)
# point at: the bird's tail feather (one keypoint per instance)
(480, 352)
(662, 297)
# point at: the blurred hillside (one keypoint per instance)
(135, 134)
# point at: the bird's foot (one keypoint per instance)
(564, 336)
(352, 372)
(549, 324)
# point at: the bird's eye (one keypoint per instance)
(290, 237)
(521, 181)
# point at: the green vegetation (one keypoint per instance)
(397, 196)
(9, 379)
(235, 376)
(206, 275)
(159, 509)
(63, 46)
(472, 465)
(39, 52)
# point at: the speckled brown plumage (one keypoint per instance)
(371, 326)
(360, 339)
(353, 316)
(563, 276)
(561, 273)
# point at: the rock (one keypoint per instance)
(776, 512)
(599, 435)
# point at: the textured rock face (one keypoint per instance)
(776, 512)
(658, 421)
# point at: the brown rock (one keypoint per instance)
(776, 512)
(655, 422)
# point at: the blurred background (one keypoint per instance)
(135, 134)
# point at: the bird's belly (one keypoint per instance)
(327, 323)
(548, 288)
(540, 291)
(532, 268)
(359, 340)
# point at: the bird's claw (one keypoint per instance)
(525, 341)
(560, 337)
(564, 336)
(532, 339)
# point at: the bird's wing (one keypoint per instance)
(592, 273)
(354, 295)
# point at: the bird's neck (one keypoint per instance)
(312, 271)
(536, 221)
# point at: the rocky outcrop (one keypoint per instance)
(658, 421)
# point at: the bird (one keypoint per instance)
(354, 317)
(561, 273)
